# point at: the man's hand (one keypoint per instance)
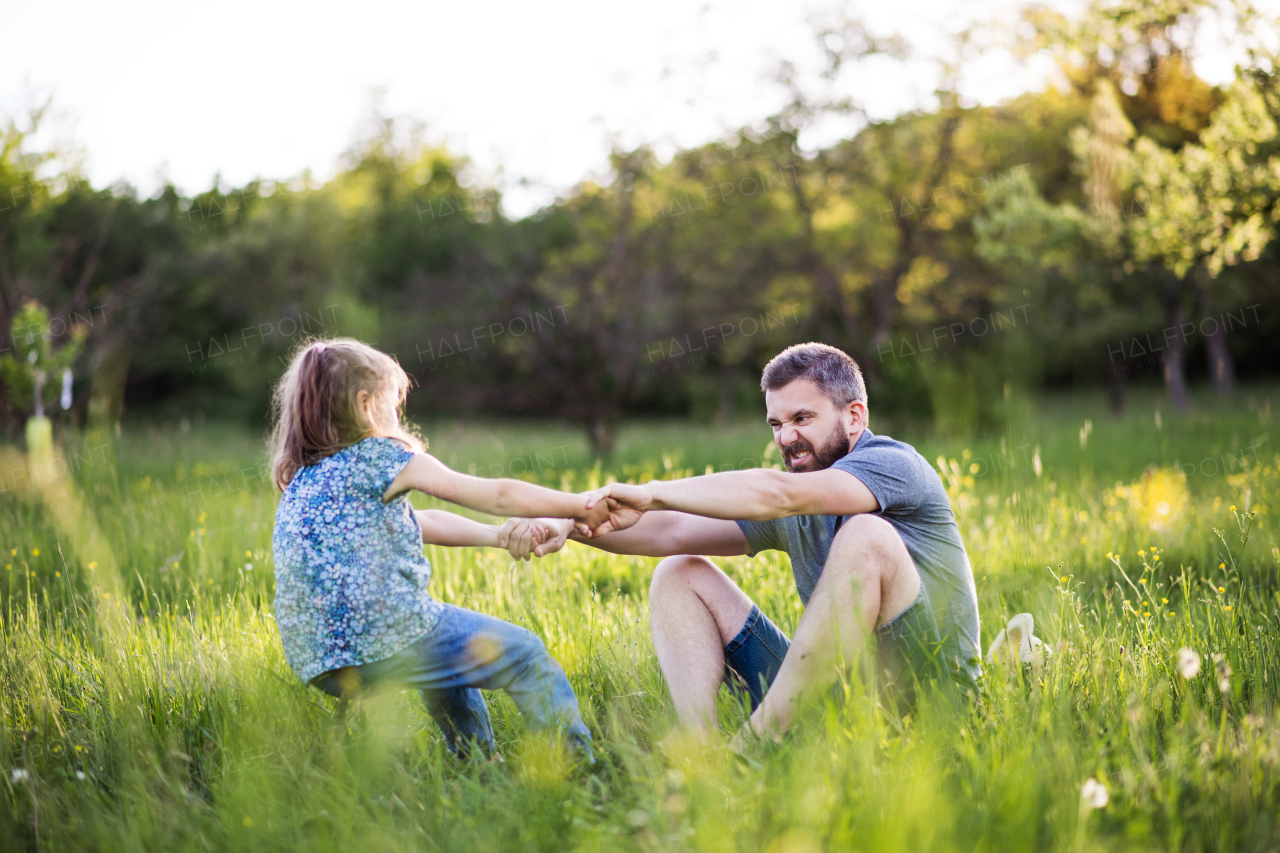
(625, 504)
(522, 536)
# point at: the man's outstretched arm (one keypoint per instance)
(756, 495)
(656, 534)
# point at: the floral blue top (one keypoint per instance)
(351, 578)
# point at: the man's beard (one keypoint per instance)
(835, 448)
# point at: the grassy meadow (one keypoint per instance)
(145, 702)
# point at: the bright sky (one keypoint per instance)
(534, 93)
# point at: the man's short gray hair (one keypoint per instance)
(833, 371)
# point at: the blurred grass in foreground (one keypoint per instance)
(194, 734)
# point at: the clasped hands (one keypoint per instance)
(614, 507)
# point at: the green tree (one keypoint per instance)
(32, 373)
(1207, 206)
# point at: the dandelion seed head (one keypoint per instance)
(1188, 663)
(1094, 794)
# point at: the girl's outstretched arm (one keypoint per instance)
(495, 496)
(446, 528)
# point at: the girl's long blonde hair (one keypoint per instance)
(314, 411)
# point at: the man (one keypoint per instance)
(866, 522)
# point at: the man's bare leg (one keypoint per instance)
(868, 577)
(695, 610)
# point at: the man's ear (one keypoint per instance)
(858, 414)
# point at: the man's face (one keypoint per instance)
(810, 431)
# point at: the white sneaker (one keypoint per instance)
(1017, 643)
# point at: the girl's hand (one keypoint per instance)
(520, 536)
(515, 536)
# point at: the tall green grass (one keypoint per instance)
(187, 730)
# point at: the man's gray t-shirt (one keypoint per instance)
(913, 500)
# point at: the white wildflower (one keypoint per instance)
(80, 775)
(18, 775)
(1188, 663)
(1094, 793)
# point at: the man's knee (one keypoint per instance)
(872, 536)
(688, 581)
(870, 549)
(679, 573)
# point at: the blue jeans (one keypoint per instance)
(467, 652)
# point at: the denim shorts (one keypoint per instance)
(906, 651)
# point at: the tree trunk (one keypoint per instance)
(1118, 388)
(1221, 370)
(726, 407)
(1220, 367)
(602, 432)
(1175, 374)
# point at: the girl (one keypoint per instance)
(351, 580)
